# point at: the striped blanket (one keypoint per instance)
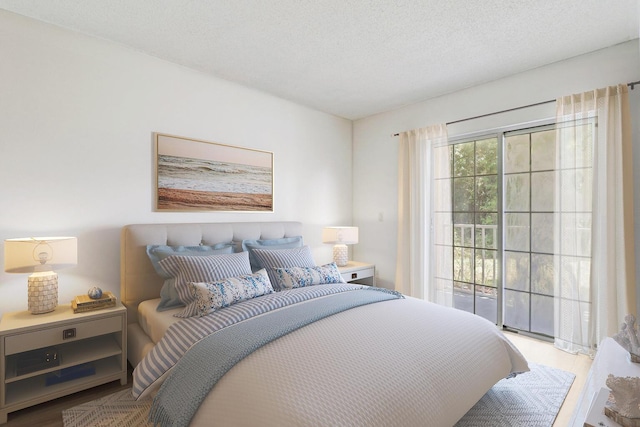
(181, 336)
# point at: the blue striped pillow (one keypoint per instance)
(279, 258)
(168, 295)
(270, 244)
(186, 269)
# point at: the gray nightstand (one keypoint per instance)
(87, 349)
(359, 272)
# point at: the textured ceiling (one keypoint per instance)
(346, 57)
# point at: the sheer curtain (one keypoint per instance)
(424, 257)
(594, 268)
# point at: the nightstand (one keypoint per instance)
(611, 358)
(359, 272)
(46, 356)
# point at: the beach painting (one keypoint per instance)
(195, 175)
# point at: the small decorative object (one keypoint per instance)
(35, 360)
(623, 405)
(95, 292)
(629, 338)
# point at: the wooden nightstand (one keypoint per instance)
(90, 349)
(359, 272)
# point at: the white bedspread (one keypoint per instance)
(396, 363)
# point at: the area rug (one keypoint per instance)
(115, 410)
(532, 399)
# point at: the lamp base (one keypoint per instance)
(340, 255)
(43, 292)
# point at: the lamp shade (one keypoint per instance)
(341, 235)
(29, 254)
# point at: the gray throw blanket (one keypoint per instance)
(188, 383)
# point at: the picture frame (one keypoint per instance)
(197, 175)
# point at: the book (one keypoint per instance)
(83, 303)
(596, 416)
(83, 309)
(71, 373)
(85, 300)
(611, 411)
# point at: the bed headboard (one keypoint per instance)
(138, 279)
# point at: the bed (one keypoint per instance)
(330, 353)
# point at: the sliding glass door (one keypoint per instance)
(529, 201)
(503, 199)
(476, 233)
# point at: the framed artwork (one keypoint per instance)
(194, 175)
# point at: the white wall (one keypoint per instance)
(376, 150)
(76, 150)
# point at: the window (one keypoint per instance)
(505, 253)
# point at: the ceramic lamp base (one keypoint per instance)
(43, 292)
(340, 255)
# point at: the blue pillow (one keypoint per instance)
(282, 243)
(156, 253)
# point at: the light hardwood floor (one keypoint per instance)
(50, 414)
(545, 353)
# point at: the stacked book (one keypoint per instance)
(83, 303)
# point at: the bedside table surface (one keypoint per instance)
(63, 313)
(355, 265)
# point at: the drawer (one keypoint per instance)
(359, 274)
(53, 336)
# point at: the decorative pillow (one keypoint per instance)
(222, 293)
(168, 296)
(282, 243)
(297, 277)
(186, 269)
(156, 253)
(280, 258)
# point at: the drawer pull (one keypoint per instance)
(354, 276)
(69, 333)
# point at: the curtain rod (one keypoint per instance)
(631, 85)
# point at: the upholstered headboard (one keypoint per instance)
(138, 279)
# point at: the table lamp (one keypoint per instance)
(341, 237)
(39, 256)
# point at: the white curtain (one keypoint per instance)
(594, 250)
(424, 258)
